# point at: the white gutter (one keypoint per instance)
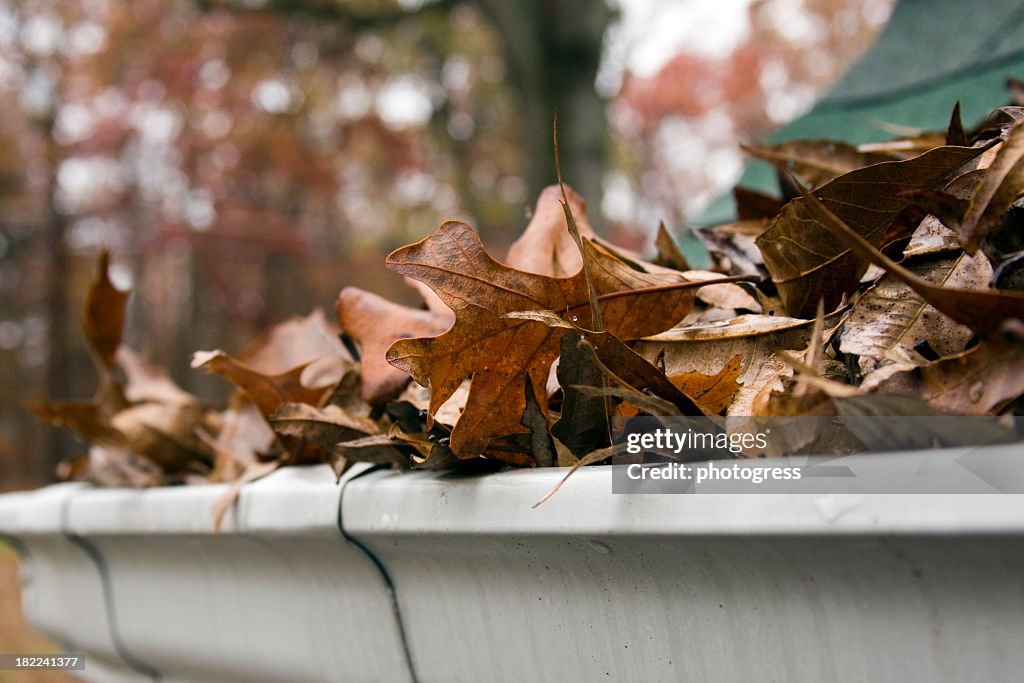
(787, 587)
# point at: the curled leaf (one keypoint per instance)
(807, 262)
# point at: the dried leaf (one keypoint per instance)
(374, 323)
(146, 382)
(712, 393)
(294, 342)
(979, 381)
(955, 133)
(890, 321)
(724, 295)
(817, 161)
(589, 459)
(86, 419)
(755, 206)
(733, 247)
(708, 349)
(583, 424)
(268, 392)
(498, 351)
(108, 466)
(1002, 186)
(669, 254)
(804, 258)
(103, 321)
(546, 247)
(166, 434)
(985, 311)
(253, 472)
(535, 421)
(325, 427)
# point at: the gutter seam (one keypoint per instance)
(381, 569)
(96, 556)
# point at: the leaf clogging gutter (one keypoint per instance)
(433, 577)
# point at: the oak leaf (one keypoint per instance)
(546, 246)
(268, 392)
(498, 352)
(374, 323)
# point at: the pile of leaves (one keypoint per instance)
(885, 279)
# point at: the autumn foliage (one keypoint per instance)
(885, 280)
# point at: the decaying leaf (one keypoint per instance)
(712, 393)
(891, 322)
(985, 311)
(302, 340)
(807, 262)
(669, 254)
(268, 392)
(374, 323)
(709, 349)
(498, 351)
(103, 321)
(978, 381)
(546, 247)
(817, 161)
(524, 364)
(327, 427)
(1002, 185)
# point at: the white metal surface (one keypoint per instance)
(63, 591)
(588, 586)
(592, 586)
(278, 595)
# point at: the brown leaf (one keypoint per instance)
(166, 434)
(109, 466)
(669, 254)
(374, 323)
(708, 349)
(324, 427)
(726, 295)
(498, 351)
(546, 247)
(890, 321)
(1002, 186)
(817, 161)
(86, 419)
(268, 392)
(595, 367)
(979, 381)
(984, 311)
(146, 382)
(807, 262)
(712, 393)
(298, 341)
(244, 438)
(104, 314)
(755, 206)
(955, 133)
(733, 247)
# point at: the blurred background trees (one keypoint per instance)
(245, 159)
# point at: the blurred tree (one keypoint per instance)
(553, 49)
(244, 160)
